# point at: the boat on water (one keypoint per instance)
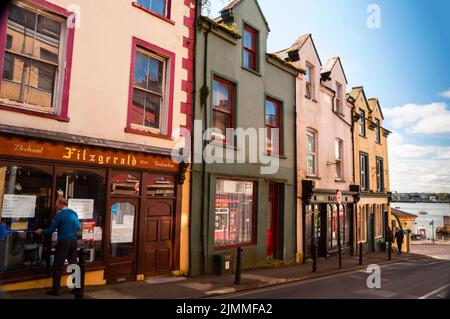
(422, 212)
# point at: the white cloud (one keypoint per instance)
(445, 94)
(431, 118)
(415, 168)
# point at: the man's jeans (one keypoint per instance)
(64, 249)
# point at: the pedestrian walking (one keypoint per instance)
(399, 239)
(389, 238)
(67, 223)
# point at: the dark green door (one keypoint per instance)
(371, 230)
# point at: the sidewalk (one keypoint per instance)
(212, 285)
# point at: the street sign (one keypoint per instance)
(339, 197)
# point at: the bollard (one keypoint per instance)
(389, 250)
(79, 292)
(314, 255)
(360, 253)
(237, 280)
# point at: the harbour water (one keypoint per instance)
(436, 213)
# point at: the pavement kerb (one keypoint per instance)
(280, 281)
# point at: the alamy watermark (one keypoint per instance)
(374, 19)
(374, 279)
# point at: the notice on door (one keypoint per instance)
(18, 206)
(121, 234)
(83, 207)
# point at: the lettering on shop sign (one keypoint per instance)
(88, 155)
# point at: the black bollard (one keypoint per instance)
(237, 279)
(360, 253)
(79, 292)
(314, 255)
(389, 250)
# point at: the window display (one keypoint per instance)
(25, 202)
(234, 214)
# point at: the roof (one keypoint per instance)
(375, 103)
(297, 45)
(329, 66)
(234, 3)
(356, 91)
(400, 213)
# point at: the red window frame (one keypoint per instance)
(166, 18)
(269, 127)
(70, 35)
(231, 87)
(170, 56)
(252, 51)
(254, 214)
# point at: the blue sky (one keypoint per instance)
(405, 63)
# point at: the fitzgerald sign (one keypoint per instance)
(87, 155)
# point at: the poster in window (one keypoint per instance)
(88, 230)
(18, 206)
(83, 207)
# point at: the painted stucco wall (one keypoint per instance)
(318, 114)
(224, 59)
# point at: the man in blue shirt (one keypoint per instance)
(67, 223)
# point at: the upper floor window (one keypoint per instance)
(250, 48)
(157, 6)
(311, 157)
(380, 175)
(273, 126)
(362, 123)
(147, 111)
(339, 107)
(35, 59)
(378, 130)
(364, 171)
(309, 77)
(223, 97)
(338, 158)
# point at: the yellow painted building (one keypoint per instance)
(371, 170)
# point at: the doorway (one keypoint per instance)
(273, 222)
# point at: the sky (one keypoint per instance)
(403, 59)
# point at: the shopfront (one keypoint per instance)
(128, 204)
(326, 222)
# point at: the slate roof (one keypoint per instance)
(329, 66)
(234, 3)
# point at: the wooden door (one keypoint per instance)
(121, 239)
(156, 248)
(273, 220)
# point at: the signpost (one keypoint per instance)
(339, 203)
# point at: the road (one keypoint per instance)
(415, 279)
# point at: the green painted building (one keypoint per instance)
(243, 189)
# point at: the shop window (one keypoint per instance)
(122, 229)
(125, 184)
(25, 203)
(35, 55)
(348, 225)
(85, 192)
(160, 186)
(378, 221)
(234, 213)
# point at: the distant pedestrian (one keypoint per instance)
(389, 238)
(399, 238)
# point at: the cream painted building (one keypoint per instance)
(90, 98)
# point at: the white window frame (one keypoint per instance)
(339, 106)
(309, 85)
(339, 155)
(313, 134)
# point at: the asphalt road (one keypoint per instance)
(415, 279)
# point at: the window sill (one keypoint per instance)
(313, 177)
(224, 145)
(35, 113)
(339, 181)
(145, 133)
(363, 136)
(137, 5)
(234, 246)
(315, 101)
(275, 156)
(252, 71)
(339, 113)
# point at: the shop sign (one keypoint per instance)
(83, 207)
(87, 155)
(18, 206)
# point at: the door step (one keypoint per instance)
(163, 280)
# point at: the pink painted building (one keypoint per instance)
(324, 152)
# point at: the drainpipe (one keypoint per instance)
(296, 181)
(355, 205)
(198, 9)
(204, 226)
